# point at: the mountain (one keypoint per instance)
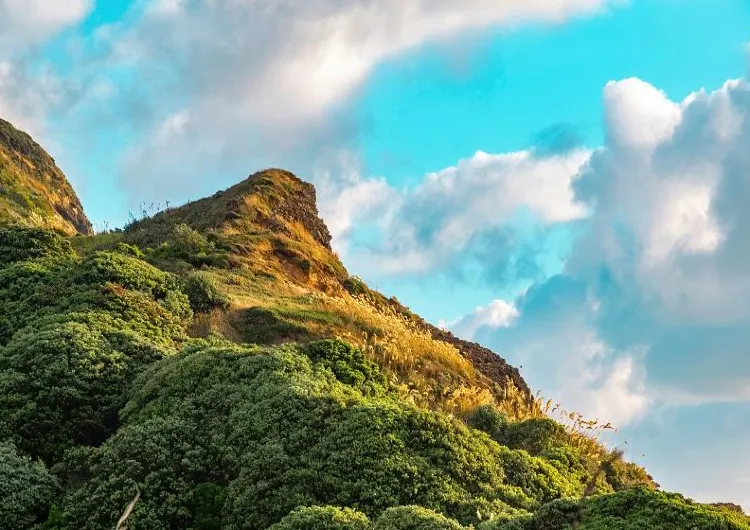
(215, 366)
(33, 190)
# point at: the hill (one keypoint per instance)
(33, 189)
(216, 367)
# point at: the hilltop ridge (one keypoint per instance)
(270, 223)
(33, 190)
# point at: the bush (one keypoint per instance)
(489, 419)
(187, 244)
(634, 508)
(204, 294)
(20, 243)
(63, 381)
(278, 433)
(143, 298)
(323, 518)
(129, 250)
(534, 436)
(414, 518)
(348, 364)
(27, 490)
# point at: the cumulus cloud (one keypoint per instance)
(498, 314)
(263, 80)
(29, 22)
(659, 284)
(28, 94)
(469, 210)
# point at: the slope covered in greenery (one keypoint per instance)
(33, 190)
(216, 367)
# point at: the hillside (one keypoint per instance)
(216, 367)
(33, 190)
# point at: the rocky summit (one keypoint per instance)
(215, 366)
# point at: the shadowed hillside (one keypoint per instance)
(216, 367)
(33, 190)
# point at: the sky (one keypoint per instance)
(564, 181)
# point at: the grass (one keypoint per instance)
(34, 190)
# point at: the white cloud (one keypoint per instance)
(498, 314)
(270, 80)
(289, 60)
(660, 282)
(26, 97)
(436, 221)
(28, 22)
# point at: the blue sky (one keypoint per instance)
(546, 178)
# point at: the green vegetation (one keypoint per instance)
(215, 367)
(26, 488)
(275, 431)
(323, 518)
(33, 190)
(634, 508)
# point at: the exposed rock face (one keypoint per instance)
(33, 190)
(485, 361)
(302, 208)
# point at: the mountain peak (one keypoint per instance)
(33, 190)
(272, 199)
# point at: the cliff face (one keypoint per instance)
(33, 190)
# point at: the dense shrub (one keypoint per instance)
(144, 299)
(348, 364)
(414, 518)
(19, 244)
(27, 490)
(204, 294)
(535, 435)
(187, 244)
(129, 250)
(323, 518)
(278, 432)
(488, 418)
(63, 381)
(73, 336)
(633, 508)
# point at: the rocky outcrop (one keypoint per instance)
(33, 190)
(301, 207)
(487, 362)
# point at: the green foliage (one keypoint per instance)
(207, 502)
(63, 381)
(278, 431)
(187, 244)
(323, 518)
(535, 435)
(348, 364)
(630, 509)
(73, 336)
(143, 298)
(21, 243)
(488, 418)
(414, 518)
(129, 250)
(355, 286)
(27, 490)
(204, 294)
